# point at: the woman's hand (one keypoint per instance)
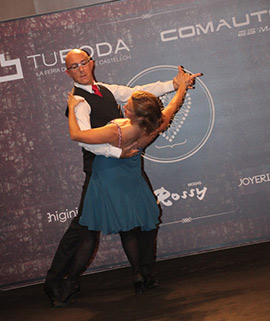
(72, 101)
(129, 152)
(184, 78)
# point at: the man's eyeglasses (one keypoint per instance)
(82, 63)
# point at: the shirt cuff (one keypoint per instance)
(116, 151)
(169, 86)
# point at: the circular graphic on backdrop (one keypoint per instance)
(191, 126)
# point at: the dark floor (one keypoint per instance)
(227, 285)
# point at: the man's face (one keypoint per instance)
(79, 68)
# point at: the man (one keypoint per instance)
(78, 245)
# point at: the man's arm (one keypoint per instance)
(159, 88)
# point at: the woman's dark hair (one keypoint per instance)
(147, 108)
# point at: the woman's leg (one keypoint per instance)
(131, 246)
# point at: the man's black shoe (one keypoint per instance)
(52, 292)
(69, 293)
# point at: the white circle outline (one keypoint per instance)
(211, 120)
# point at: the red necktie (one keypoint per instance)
(96, 90)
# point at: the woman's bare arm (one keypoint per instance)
(101, 135)
(185, 82)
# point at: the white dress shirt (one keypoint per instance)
(121, 94)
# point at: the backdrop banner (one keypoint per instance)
(210, 170)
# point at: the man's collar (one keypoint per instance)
(84, 87)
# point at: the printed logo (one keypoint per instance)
(254, 180)
(191, 126)
(243, 21)
(167, 198)
(62, 216)
(11, 63)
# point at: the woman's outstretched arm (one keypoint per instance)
(185, 81)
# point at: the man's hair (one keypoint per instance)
(148, 110)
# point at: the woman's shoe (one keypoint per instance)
(138, 283)
(150, 283)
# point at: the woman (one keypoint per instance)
(118, 197)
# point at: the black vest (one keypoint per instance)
(103, 110)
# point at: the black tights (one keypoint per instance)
(140, 249)
(78, 246)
